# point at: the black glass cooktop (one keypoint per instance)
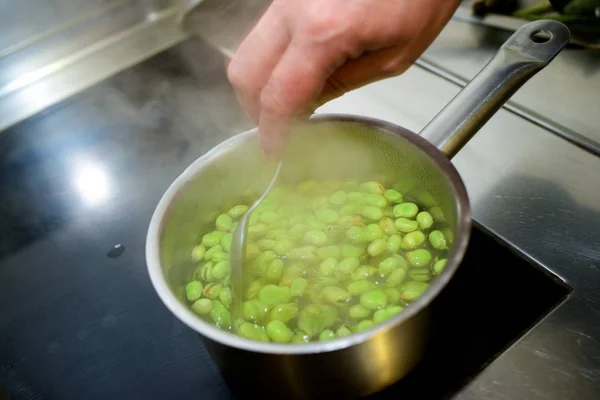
(79, 318)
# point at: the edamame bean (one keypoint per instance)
(396, 277)
(393, 196)
(364, 325)
(297, 231)
(374, 299)
(406, 210)
(193, 290)
(220, 315)
(317, 201)
(327, 216)
(387, 266)
(356, 198)
(282, 247)
(328, 266)
(338, 198)
(380, 316)
(220, 270)
(372, 187)
(238, 211)
(329, 252)
(352, 251)
(351, 220)
(292, 272)
(284, 312)
(356, 234)
(300, 338)
(226, 242)
(412, 290)
(254, 310)
(406, 225)
(419, 258)
(315, 238)
(437, 240)
(377, 247)
(225, 296)
(388, 226)
(348, 265)
(206, 272)
(269, 217)
(223, 222)
(350, 209)
(357, 312)
(279, 332)
(211, 290)
(219, 256)
(202, 306)
(209, 253)
(334, 232)
(303, 253)
(253, 289)
(336, 294)
(315, 223)
(257, 230)
(413, 240)
(425, 220)
(343, 331)
(393, 295)
(363, 272)
(373, 232)
(419, 274)
(198, 252)
(311, 320)
(253, 332)
(212, 239)
(275, 271)
(439, 266)
(327, 334)
(376, 200)
(359, 287)
(330, 315)
(271, 294)
(394, 243)
(372, 213)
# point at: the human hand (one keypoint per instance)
(303, 53)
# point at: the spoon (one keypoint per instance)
(238, 243)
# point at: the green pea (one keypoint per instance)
(275, 271)
(298, 286)
(257, 230)
(269, 217)
(315, 223)
(396, 277)
(352, 251)
(388, 226)
(282, 247)
(394, 243)
(377, 247)
(413, 240)
(363, 272)
(198, 252)
(357, 198)
(279, 332)
(406, 225)
(425, 220)
(356, 234)
(372, 187)
(359, 287)
(327, 334)
(212, 239)
(343, 331)
(202, 306)
(336, 295)
(372, 213)
(393, 196)
(439, 266)
(238, 211)
(252, 332)
(254, 310)
(364, 325)
(357, 312)
(220, 270)
(406, 210)
(329, 252)
(193, 290)
(303, 253)
(419, 258)
(351, 220)
(350, 209)
(317, 201)
(284, 312)
(420, 274)
(328, 266)
(374, 299)
(387, 266)
(438, 240)
(338, 198)
(226, 242)
(300, 339)
(224, 222)
(348, 265)
(271, 294)
(297, 231)
(393, 295)
(412, 290)
(327, 216)
(211, 290)
(253, 289)
(376, 200)
(311, 320)
(373, 232)
(220, 315)
(316, 238)
(226, 296)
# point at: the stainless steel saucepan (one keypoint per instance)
(340, 147)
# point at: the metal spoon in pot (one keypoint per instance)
(238, 243)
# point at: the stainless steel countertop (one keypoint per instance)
(532, 188)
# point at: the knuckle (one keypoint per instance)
(236, 76)
(272, 102)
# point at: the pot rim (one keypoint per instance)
(185, 315)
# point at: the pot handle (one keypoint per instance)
(525, 53)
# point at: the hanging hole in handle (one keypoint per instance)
(541, 36)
